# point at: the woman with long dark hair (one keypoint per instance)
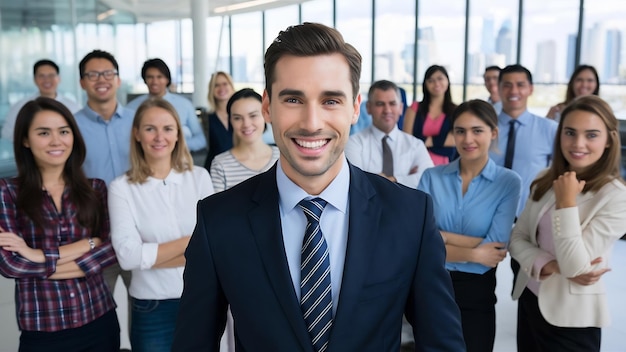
(584, 81)
(430, 120)
(564, 237)
(54, 238)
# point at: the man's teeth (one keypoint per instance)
(311, 144)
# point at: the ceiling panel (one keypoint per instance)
(45, 13)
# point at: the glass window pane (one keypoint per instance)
(354, 21)
(603, 47)
(277, 20)
(492, 40)
(247, 49)
(393, 58)
(319, 11)
(441, 41)
(218, 46)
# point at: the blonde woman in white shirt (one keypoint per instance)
(153, 213)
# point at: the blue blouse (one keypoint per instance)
(487, 209)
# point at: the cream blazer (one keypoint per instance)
(581, 234)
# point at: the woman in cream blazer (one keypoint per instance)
(564, 237)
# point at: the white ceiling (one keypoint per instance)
(46, 13)
(155, 10)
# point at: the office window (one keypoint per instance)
(247, 42)
(354, 21)
(492, 40)
(218, 45)
(394, 41)
(319, 11)
(277, 20)
(441, 41)
(603, 47)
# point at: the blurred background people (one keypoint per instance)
(474, 205)
(54, 237)
(491, 83)
(158, 78)
(221, 88)
(584, 81)
(153, 213)
(564, 237)
(250, 155)
(383, 148)
(430, 119)
(47, 78)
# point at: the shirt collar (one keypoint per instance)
(523, 119)
(378, 134)
(174, 177)
(336, 194)
(488, 172)
(92, 115)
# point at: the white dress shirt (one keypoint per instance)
(333, 222)
(143, 215)
(364, 150)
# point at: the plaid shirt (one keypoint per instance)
(43, 304)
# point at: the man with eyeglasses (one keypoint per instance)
(47, 79)
(106, 127)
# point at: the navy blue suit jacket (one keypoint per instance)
(394, 264)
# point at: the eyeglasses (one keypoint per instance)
(95, 75)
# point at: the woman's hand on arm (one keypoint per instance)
(70, 252)
(459, 240)
(14, 243)
(169, 251)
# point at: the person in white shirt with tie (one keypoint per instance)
(383, 148)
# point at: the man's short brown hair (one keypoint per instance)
(311, 39)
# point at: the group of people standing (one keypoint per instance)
(549, 193)
(65, 238)
(502, 176)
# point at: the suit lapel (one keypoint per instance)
(364, 216)
(266, 228)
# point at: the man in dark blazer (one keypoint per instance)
(386, 255)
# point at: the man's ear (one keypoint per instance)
(265, 107)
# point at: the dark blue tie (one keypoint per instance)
(315, 290)
(510, 146)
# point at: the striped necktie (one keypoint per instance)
(315, 290)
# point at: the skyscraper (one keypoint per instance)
(545, 66)
(613, 54)
(571, 56)
(504, 42)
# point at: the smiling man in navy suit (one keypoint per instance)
(315, 254)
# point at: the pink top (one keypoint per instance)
(432, 127)
(546, 243)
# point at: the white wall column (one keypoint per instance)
(199, 14)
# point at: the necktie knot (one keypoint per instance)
(312, 208)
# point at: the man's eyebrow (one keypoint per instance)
(295, 92)
(326, 93)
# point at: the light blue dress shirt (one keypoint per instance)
(334, 225)
(486, 210)
(194, 135)
(108, 142)
(534, 144)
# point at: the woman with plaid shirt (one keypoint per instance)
(54, 237)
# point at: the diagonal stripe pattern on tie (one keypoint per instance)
(315, 290)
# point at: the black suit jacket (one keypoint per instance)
(394, 264)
